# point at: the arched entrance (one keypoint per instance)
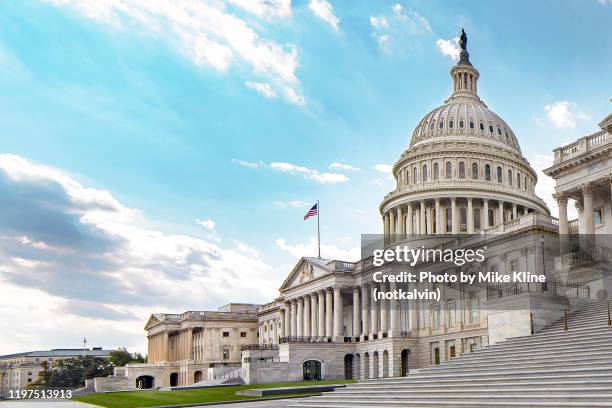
(348, 367)
(197, 376)
(311, 370)
(145, 382)
(404, 362)
(375, 366)
(173, 379)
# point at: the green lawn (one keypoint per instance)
(135, 399)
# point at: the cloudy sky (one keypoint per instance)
(158, 156)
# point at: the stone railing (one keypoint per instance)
(581, 146)
(259, 347)
(305, 339)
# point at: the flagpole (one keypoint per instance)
(318, 228)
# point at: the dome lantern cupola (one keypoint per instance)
(465, 76)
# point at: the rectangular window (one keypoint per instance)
(226, 354)
(225, 334)
(598, 216)
(243, 334)
(514, 265)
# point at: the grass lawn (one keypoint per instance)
(135, 399)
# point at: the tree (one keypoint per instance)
(120, 357)
(72, 372)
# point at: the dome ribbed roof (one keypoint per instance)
(466, 118)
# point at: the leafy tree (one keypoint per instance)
(72, 372)
(120, 357)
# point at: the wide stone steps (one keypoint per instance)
(553, 368)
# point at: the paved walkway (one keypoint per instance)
(259, 404)
(43, 403)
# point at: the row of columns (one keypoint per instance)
(586, 194)
(167, 347)
(398, 220)
(320, 314)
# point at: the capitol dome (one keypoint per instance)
(463, 171)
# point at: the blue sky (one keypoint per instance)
(156, 154)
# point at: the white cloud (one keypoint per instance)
(310, 174)
(294, 97)
(99, 267)
(604, 2)
(383, 168)
(263, 88)
(564, 115)
(450, 48)
(209, 224)
(327, 251)
(249, 164)
(267, 9)
(343, 166)
(291, 203)
(397, 27)
(205, 32)
(325, 11)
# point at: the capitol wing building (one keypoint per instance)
(462, 183)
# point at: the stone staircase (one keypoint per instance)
(552, 368)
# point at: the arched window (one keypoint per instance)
(436, 171)
(473, 306)
(441, 125)
(433, 125)
(463, 219)
(525, 184)
(490, 129)
(499, 174)
(499, 131)
(518, 180)
(461, 170)
(449, 220)
(474, 171)
(450, 124)
(481, 126)
(477, 219)
(461, 123)
(449, 170)
(415, 175)
(491, 217)
(510, 177)
(424, 175)
(471, 124)
(487, 172)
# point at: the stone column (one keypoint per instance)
(284, 320)
(587, 197)
(401, 222)
(307, 316)
(525, 210)
(329, 318)
(394, 311)
(293, 318)
(321, 313)
(300, 318)
(410, 230)
(470, 216)
(439, 227)
(563, 222)
(274, 331)
(392, 224)
(166, 346)
(422, 227)
(386, 225)
(384, 313)
(373, 313)
(338, 326)
(500, 221)
(365, 316)
(356, 313)
(189, 344)
(454, 215)
(485, 211)
(313, 315)
(514, 211)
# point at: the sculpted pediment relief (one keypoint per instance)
(304, 272)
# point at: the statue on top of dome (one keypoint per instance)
(463, 40)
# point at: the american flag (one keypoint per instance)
(312, 212)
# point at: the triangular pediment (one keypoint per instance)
(305, 270)
(153, 320)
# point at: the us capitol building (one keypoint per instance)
(462, 181)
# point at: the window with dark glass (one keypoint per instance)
(436, 171)
(499, 174)
(449, 170)
(474, 171)
(510, 177)
(461, 170)
(487, 172)
(424, 172)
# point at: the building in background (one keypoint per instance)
(20, 369)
